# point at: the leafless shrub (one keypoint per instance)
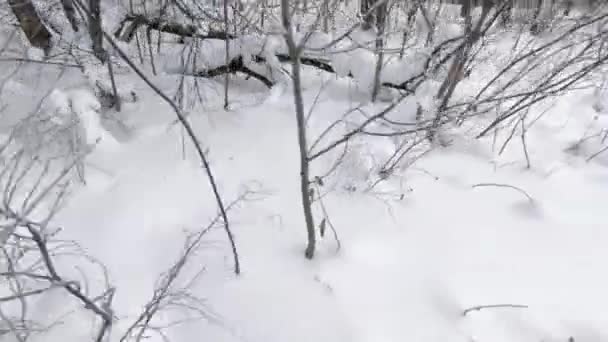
(172, 292)
(33, 191)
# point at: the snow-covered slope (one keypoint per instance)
(413, 256)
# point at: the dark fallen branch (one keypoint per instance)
(159, 24)
(236, 65)
(322, 65)
(319, 64)
(325, 66)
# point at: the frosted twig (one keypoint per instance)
(493, 306)
(165, 292)
(328, 220)
(597, 153)
(521, 191)
(189, 130)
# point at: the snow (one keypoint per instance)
(35, 54)
(416, 251)
(407, 268)
(363, 75)
(86, 107)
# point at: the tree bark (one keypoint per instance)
(227, 55)
(95, 30)
(381, 13)
(568, 8)
(505, 15)
(133, 22)
(536, 27)
(465, 8)
(367, 15)
(457, 68)
(325, 15)
(70, 13)
(411, 15)
(31, 24)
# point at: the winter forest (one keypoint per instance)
(303, 170)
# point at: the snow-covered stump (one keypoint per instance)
(68, 126)
(100, 81)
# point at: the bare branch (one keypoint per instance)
(505, 186)
(493, 306)
(195, 141)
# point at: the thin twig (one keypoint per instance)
(328, 220)
(195, 141)
(597, 154)
(521, 191)
(493, 306)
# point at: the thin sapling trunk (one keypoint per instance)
(305, 189)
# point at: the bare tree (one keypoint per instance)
(294, 51)
(381, 15)
(28, 245)
(227, 53)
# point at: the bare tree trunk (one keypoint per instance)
(305, 189)
(465, 8)
(263, 13)
(325, 10)
(70, 13)
(31, 24)
(505, 15)
(96, 34)
(568, 8)
(150, 49)
(457, 68)
(486, 5)
(593, 4)
(95, 30)
(411, 15)
(536, 25)
(381, 25)
(368, 16)
(226, 76)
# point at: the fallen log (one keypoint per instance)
(236, 65)
(326, 66)
(162, 25)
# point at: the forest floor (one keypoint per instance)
(414, 254)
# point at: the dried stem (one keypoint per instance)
(521, 191)
(493, 306)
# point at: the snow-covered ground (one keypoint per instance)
(414, 255)
(462, 227)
